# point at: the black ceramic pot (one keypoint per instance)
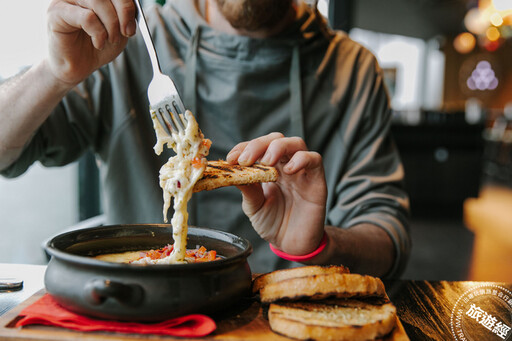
(131, 292)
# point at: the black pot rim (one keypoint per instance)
(90, 261)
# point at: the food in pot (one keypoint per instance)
(160, 256)
(145, 293)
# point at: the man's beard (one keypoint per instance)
(252, 15)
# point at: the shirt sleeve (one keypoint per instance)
(73, 127)
(371, 189)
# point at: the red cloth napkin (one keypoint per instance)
(48, 312)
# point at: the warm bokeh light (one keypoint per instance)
(496, 19)
(475, 21)
(492, 33)
(491, 46)
(507, 20)
(464, 43)
(489, 15)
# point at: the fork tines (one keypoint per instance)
(171, 118)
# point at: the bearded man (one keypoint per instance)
(267, 80)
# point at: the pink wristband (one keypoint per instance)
(302, 258)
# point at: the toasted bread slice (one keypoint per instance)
(221, 173)
(319, 287)
(333, 320)
(280, 275)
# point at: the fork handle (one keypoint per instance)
(143, 27)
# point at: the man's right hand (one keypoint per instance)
(83, 35)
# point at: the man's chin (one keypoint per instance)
(254, 15)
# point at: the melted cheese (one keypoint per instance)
(177, 179)
(134, 257)
(122, 257)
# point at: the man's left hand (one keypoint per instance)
(289, 213)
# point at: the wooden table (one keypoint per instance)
(424, 309)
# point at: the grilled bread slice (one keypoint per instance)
(302, 271)
(332, 320)
(317, 287)
(221, 173)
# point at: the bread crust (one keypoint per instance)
(322, 286)
(302, 271)
(341, 320)
(221, 173)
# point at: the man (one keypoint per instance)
(245, 68)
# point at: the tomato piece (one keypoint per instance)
(197, 163)
(207, 143)
(212, 255)
(198, 255)
(168, 250)
(202, 260)
(201, 251)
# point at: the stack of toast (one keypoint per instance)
(326, 303)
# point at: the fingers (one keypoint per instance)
(272, 149)
(102, 20)
(106, 15)
(247, 153)
(304, 160)
(125, 10)
(67, 18)
(253, 198)
(281, 150)
(235, 152)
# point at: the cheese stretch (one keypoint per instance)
(177, 179)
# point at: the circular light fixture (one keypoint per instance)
(482, 78)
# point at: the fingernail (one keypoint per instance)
(130, 28)
(265, 159)
(230, 157)
(289, 166)
(243, 158)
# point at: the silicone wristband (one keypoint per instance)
(301, 258)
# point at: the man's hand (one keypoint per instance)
(86, 34)
(290, 212)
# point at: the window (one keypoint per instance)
(414, 68)
(43, 201)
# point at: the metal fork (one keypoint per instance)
(162, 93)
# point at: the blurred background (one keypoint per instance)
(448, 70)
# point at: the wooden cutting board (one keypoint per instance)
(248, 323)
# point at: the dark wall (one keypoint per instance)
(414, 18)
(442, 160)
